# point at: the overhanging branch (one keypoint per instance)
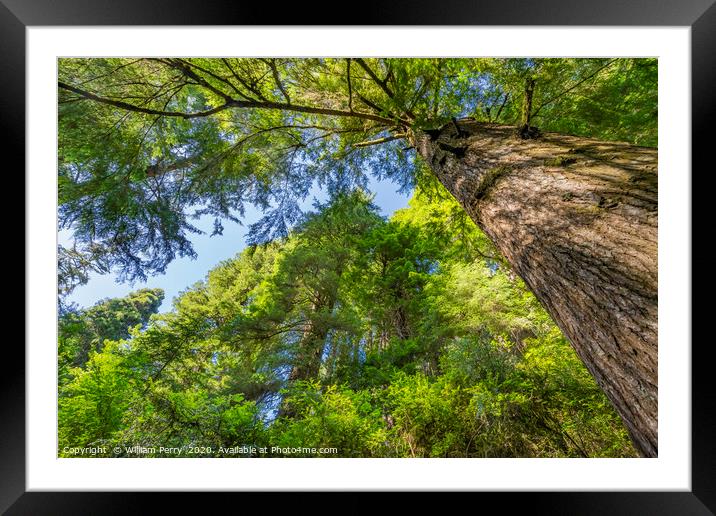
(232, 103)
(368, 143)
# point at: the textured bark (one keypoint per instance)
(577, 220)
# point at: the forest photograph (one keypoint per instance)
(356, 257)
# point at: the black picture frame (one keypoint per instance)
(699, 15)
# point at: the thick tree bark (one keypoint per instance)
(577, 220)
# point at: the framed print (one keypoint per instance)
(340, 330)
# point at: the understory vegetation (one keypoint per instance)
(370, 337)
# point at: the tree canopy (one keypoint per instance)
(148, 145)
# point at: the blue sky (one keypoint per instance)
(184, 272)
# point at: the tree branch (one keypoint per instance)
(418, 95)
(370, 104)
(380, 140)
(272, 64)
(215, 76)
(138, 109)
(232, 103)
(572, 87)
(158, 169)
(383, 84)
(311, 109)
(245, 84)
(499, 111)
(378, 109)
(375, 78)
(350, 89)
(183, 67)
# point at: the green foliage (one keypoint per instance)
(619, 103)
(146, 146)
(332, 418)
(195, 422)
(607, 99)
(426, 417)
(406, 337)
(93, 405)
(82, 331)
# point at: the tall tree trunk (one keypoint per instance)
(577, 220)
(310, 351)
(307, 362)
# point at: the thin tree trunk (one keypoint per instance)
(577, 220)
(527, 105)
